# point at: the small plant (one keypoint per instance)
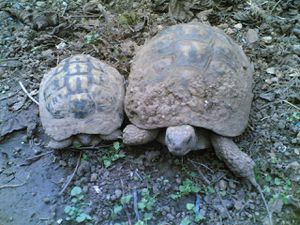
(113, 154)
(129, 18)
(194, 215)
(186, 188)
(91, 38)
(145, 207)
(75, 212)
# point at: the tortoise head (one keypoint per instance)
(181, 139)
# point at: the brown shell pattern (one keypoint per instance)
(81, 95)
(190, 74)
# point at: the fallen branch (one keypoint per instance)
(72, 175)
(28, 94)
(14, 185)
(33, 159)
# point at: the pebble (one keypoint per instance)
(170, 216)
(238, 26)
(222, 185)
(41, 4)
(267, 96)
(62, 163)
(232, 185)
(46, 200)
(94, 177)
(85, 189)
(296, 31)
(296, 49)
(118, 193)
(252, 36)
(267, 39)
(271, 70)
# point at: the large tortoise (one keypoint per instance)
(81, 99)
(196, 82)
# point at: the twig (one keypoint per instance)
(265, 203)
(222, 202)
(14, 185)
(296, 107)
(31, 160)
(217, 189)
(26, 92)
(125, 207)
(72, 175)
(135, 204)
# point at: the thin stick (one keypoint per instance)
(296, 107)
(72, 175)
(217, 189)
(14, 185)
(31, 160)
(135, 204)
(29, 95)
(125, 206)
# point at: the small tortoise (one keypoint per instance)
(193, 80)
(81, 99)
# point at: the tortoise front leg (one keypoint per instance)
(236, 160)
(133, 135)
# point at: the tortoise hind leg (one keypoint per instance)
(236, 160)
(133, 135)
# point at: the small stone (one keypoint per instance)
(170, 216)
(252, 36)
(97, 189)
(46, 200)
(238, 26)
(281, 124)
(62, 163)
(232, 185)
(118, 193)
(40, 4)
(229, 31)
(267, 39)
(178, 180)
(296, 49)
(271, 70)
(296, 31)
(222, 185)
(267, 96)
(85, 189)
(94, 177)
(274, 79)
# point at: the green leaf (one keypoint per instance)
(141, 205)
(117, 209)
(116, 145)
(190, 206)
(67, 209)
(186, 221)
(148, 216)
(126, 199)
(107, 163)
(199, 217)
(82, 217)
(76, 191)
(277, 181)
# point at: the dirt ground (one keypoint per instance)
(113, 184)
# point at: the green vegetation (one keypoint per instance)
(112, 154)
(186, 188)
(75, 212)
(145, 207)
(193, 216)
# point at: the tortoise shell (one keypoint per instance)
(190, 74)
(81, 95)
